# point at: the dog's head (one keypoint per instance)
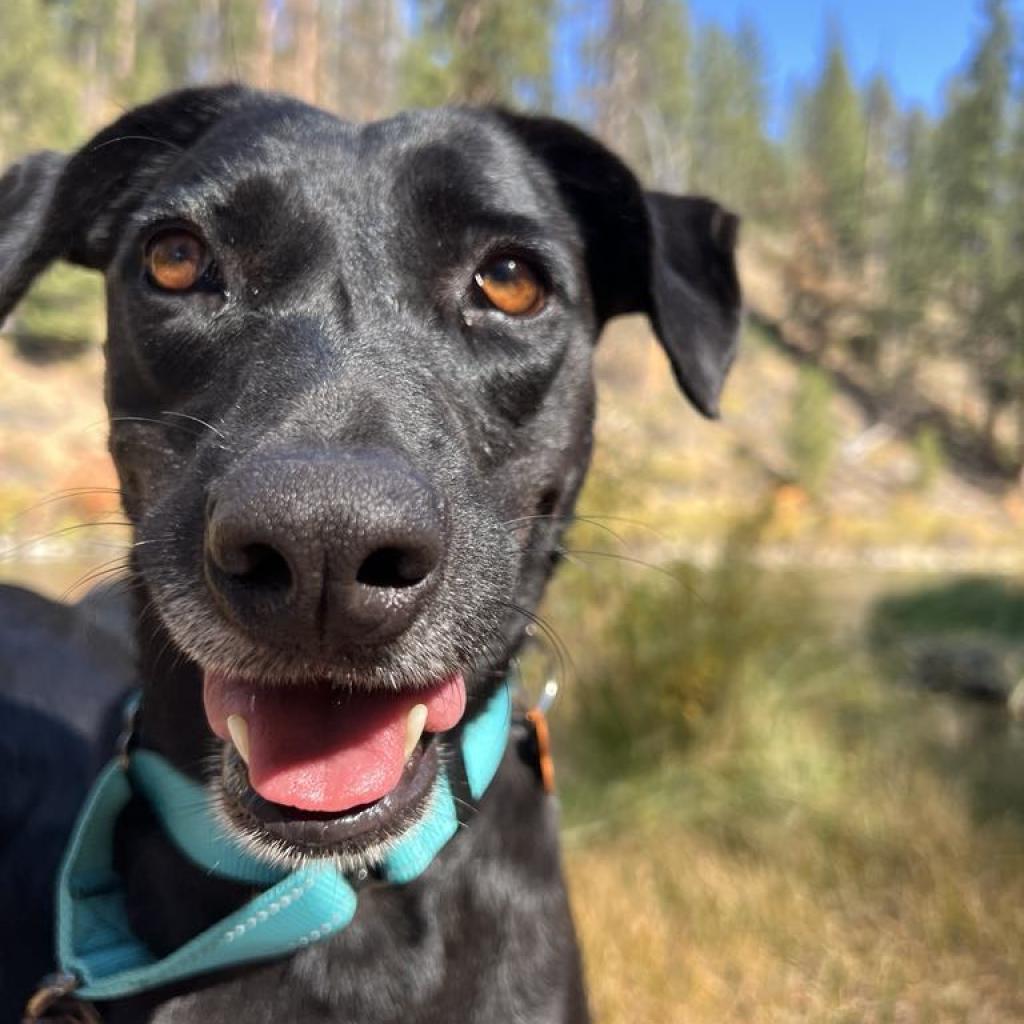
(349, 381)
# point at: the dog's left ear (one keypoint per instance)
(671, 257)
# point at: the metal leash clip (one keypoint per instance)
(537, 717)
(54, 1003)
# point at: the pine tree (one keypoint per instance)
(732, 157)
(1010, 289)
(969, 165)
(480, 51)
(880, 178)
(908, 248)
(968, 146)
(834, 138)
(38, 89)
(643, 91)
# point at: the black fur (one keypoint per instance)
(339, 365)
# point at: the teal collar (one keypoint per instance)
(97, 948)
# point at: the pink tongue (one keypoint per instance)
(320, 749)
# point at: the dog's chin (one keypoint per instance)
(356, 839)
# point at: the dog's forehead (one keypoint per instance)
(297, 161)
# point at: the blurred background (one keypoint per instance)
(790, 643)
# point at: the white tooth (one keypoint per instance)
(414, 727)
(238, 729)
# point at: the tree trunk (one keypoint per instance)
(617, 100)
(125, 39)
(263, 58)
(305, 63)
(211, 23)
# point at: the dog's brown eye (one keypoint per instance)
(511, 286)
(176, 260)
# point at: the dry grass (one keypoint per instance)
(832, 851)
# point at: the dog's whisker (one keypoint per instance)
(594, 517)
(167, 143)
(121, 587)
(106, 570)
(163, 423)
(679, 580)
(564, 519)
(64, 495)
(155, 422)
(627, 559)
(196, 419)
(471, 808)
(26, 545)
(560, 651)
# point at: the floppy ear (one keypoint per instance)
(52, 207)
(671, 257)
(26, 193)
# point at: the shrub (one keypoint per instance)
(657, 652)
(61, 316)
(931, 458)
(812, 437)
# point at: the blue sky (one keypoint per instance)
(918, 44)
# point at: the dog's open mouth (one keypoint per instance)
(320, 766)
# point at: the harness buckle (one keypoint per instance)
(129, 723)
(54, 1003)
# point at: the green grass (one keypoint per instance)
(991, 606)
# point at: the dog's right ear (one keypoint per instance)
(26, 195)
(52, 207)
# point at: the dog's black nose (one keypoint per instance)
(325, 550)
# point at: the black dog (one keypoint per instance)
(349, 383)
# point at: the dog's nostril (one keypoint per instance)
(262, 567)
(394, 568)
(547, 503)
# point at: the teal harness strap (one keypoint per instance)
(183, 805)
(293, 909)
